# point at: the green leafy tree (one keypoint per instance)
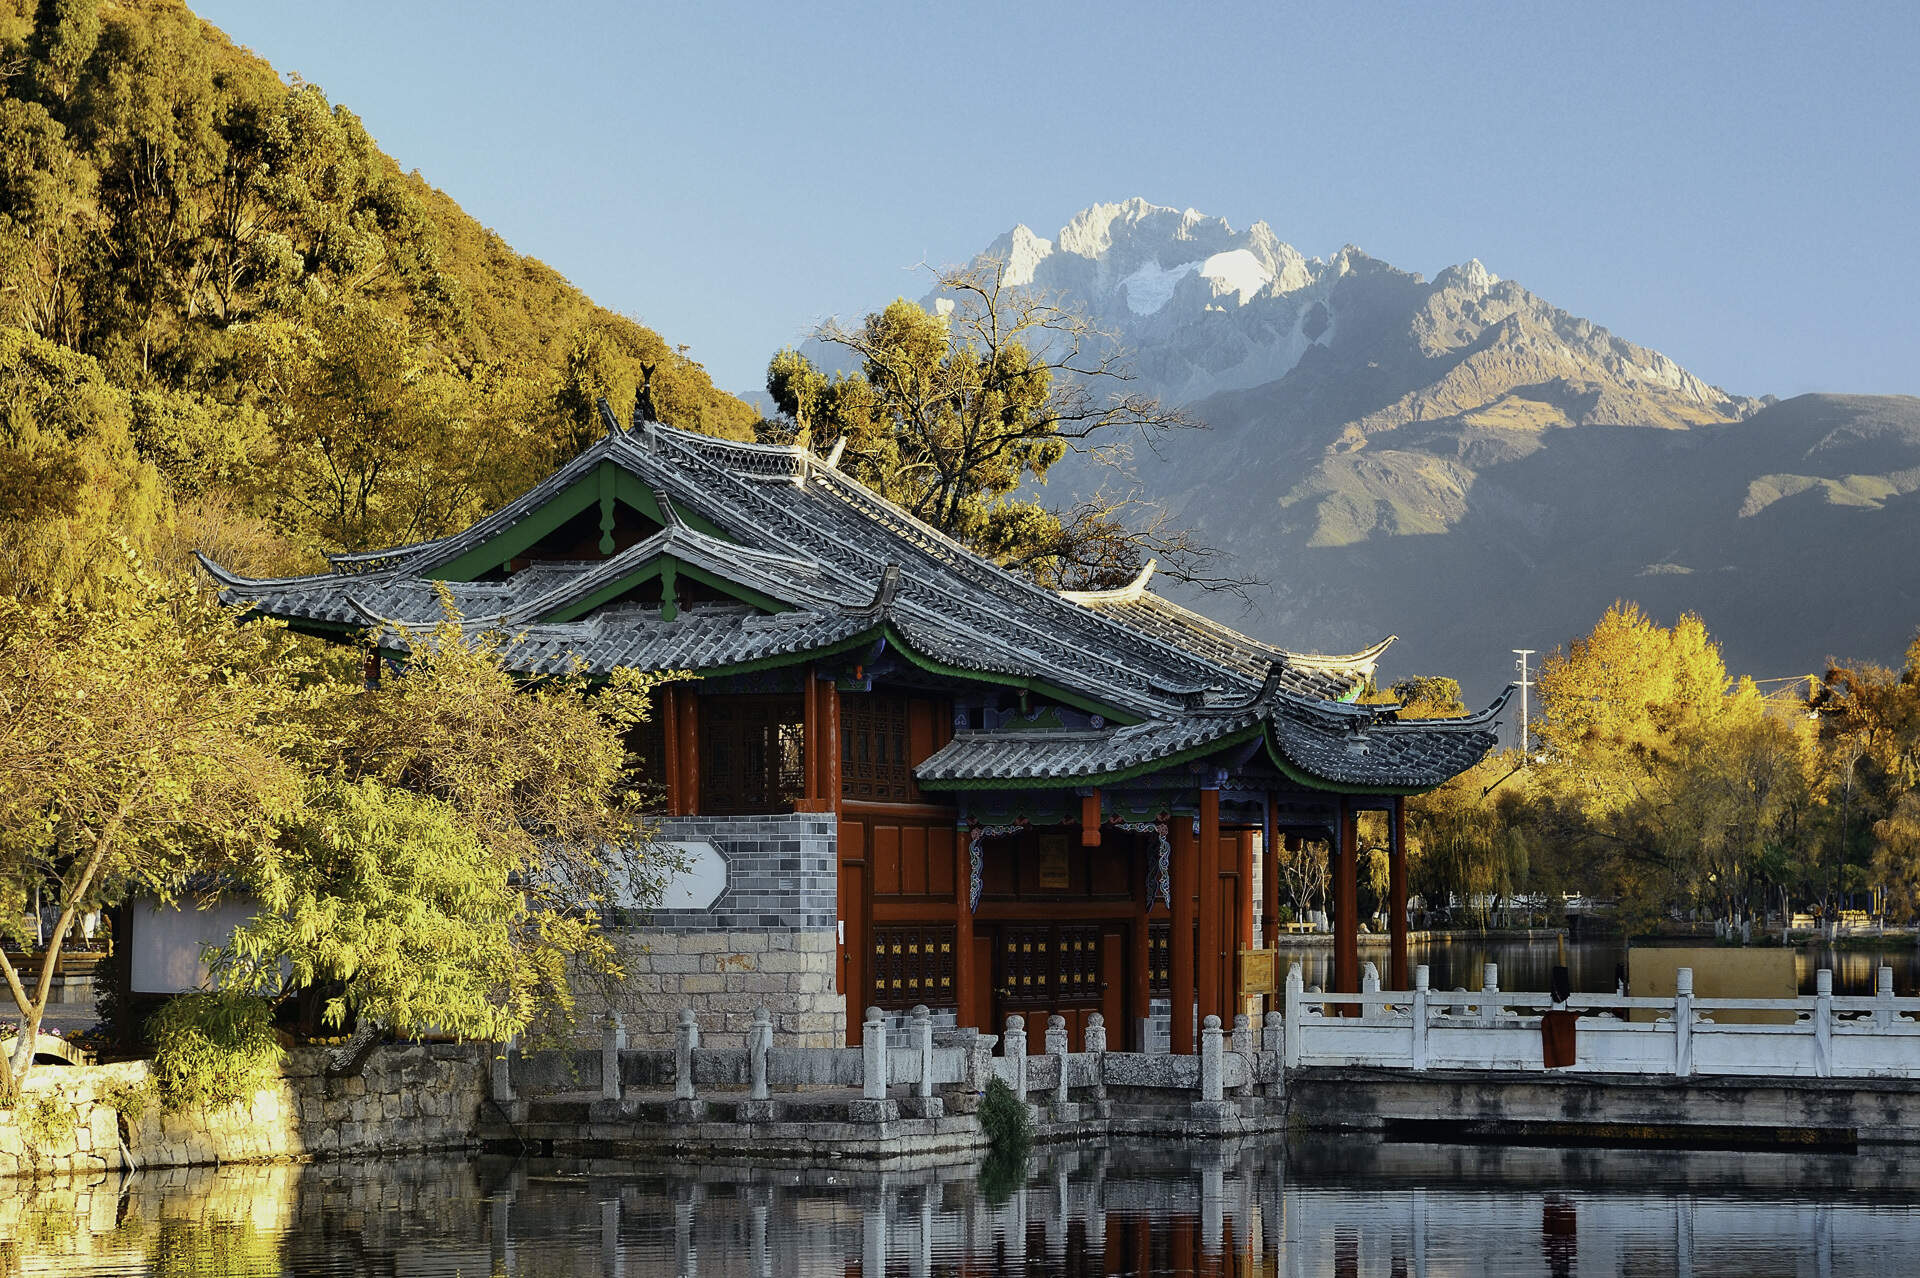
(1467, 840)
(72, 488)
(1429, 697)
(373, 435)
(146, 741)
(1869, 729)
(452, 865)
(392, 898)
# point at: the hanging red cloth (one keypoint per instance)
(1558, 1035)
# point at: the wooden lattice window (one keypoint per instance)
(1049, 964)
(752, 754)
(647, 743)
(1026, 963)
(1077, 976)
(874, 763)
(913, 965)
(1159, 960)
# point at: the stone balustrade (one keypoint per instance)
(936, 1073)
(1811, 1036)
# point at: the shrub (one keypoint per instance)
(45, 1120)
(130, 1102)
(1004, 1118)
(213, 1049)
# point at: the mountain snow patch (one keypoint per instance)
(1151, 287)
(1239, 272)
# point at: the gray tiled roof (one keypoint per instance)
(846, 564)
(973, 757)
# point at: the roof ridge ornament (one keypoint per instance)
(883, 597)
(668, 514)
(833, 454)
(607, 419)
(1132, 592)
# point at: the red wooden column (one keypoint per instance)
(963, 991)
(667, 707)
(829, 743)
(1397, 894)
(812, 767)
(1270, 842)
(1140, 961)
(1243, 904)
(1212, 1000)
(686, 732)
(820, 769)
(1180, 946)
(1346, 888)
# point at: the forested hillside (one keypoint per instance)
(228, 320)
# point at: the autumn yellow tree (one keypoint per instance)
(147, 740)
(1670, 782)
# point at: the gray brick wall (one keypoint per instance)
(770, 940)
(781, 873)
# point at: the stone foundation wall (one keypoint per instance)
(95, 1118)
(724, 976)
(767, 939)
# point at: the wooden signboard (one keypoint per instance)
(1257, 971)
(1054, 873)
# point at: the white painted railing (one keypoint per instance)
(1821, 1035)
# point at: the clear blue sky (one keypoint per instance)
(1735, 185)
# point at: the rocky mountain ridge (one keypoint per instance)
(1461, 462)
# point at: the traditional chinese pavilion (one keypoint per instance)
(904, 774)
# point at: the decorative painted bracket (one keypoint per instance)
(976, 835)
(1160, 874)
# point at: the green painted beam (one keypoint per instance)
(668, 568)
(605, 485)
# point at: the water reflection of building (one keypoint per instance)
(1250, 1211)
(1424, 1212)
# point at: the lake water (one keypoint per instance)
(1528, 965)
(1266, 1208)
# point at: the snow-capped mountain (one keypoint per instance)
(1462, 462)
(1206, 309)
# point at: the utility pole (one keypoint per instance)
(1521, 665)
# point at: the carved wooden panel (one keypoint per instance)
(1077, 975)
(1159, 963)
(875, 761)
(751, 754)
(913, 964)
(1050, 965)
